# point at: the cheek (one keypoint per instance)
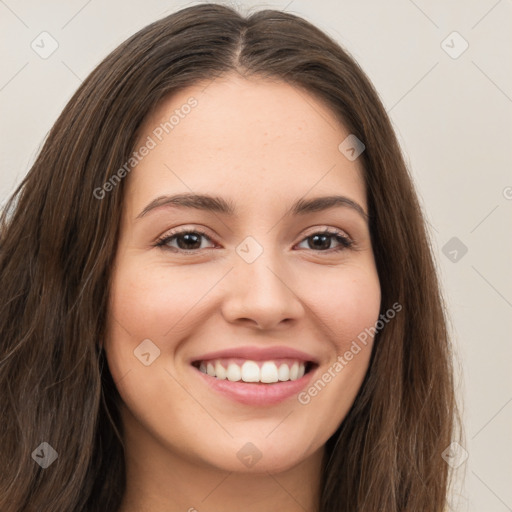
(347, 302)
(151, 301)
(137, 305)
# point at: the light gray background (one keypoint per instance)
(452, 117)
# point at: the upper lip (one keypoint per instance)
(257, 354)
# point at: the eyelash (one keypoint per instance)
(345, 241)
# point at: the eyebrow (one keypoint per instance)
(220, 205)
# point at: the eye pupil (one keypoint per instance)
(189, 237)
(322, 245)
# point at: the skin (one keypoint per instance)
(262, 145)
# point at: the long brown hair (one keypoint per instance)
(58, 242)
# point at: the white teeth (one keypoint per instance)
(284, 372)
(210, 370)
(220, 371)
(251, 371)
(234, 373)
(269, 373)
(294, 371)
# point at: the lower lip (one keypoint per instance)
(257, 393)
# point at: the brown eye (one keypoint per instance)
(186, 240)
(321, 242)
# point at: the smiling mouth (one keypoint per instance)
(259, 372)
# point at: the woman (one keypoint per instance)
(299, 360)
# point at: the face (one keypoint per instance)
(234, 319)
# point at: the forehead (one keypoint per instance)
(246, 137)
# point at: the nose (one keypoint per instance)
(261, 294)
